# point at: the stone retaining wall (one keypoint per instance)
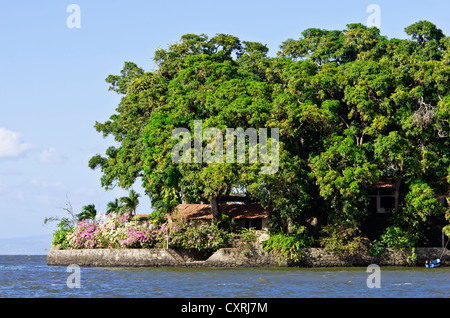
(318, 257)
(113, 257)
(230, 257)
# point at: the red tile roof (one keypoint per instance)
(236, 211)
(385, 184)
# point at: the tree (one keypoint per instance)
(209, 88)
(88, 212)
(352, 108)
(424, 31)
(141, 93)
(131, 202)
(343, 172)
(114, 207)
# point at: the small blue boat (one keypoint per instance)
(433, 264)
(437, 262)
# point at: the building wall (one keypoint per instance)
(258, 223)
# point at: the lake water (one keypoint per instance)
(30, 277)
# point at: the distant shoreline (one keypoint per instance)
(26, 245)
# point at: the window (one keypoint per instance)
(255, 223)
(387, 204)
(382, 202)
(373, 204)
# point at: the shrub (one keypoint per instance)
(394, 237)
(59, 238)
(377, 249)
(244, 241)
(60, 235)
(84, 235)
(343, 240)
(138, 238)
(112, 231)
(288, 246)
(204, 237)
(115, 231)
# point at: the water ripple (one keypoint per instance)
(29, 276)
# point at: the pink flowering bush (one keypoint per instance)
(116, 231)
(138, 238)
(113, 232)
(84, 236)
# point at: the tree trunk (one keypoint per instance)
(215, 208)
(290, 226)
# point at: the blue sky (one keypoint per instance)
(52, 81)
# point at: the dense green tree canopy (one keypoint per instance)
(352, 108)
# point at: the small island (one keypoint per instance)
(355, 169)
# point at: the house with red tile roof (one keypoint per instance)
(244, 214)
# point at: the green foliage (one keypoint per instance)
(352, 107)
(377, 249)
(157, 217)
(59, 238)
(130, 202)
(424, 32)
(244, 241)
(343, 172)
(419, 206)
(344, 240)
(65, 228)
(88, 212)
(395, 238)
(446, 230)
(413, 257)
(205, 238)
(114, 207)
(288, 246)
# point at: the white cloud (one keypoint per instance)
(51, 156)
(11, 144)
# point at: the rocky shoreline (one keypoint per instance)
(231, 257)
